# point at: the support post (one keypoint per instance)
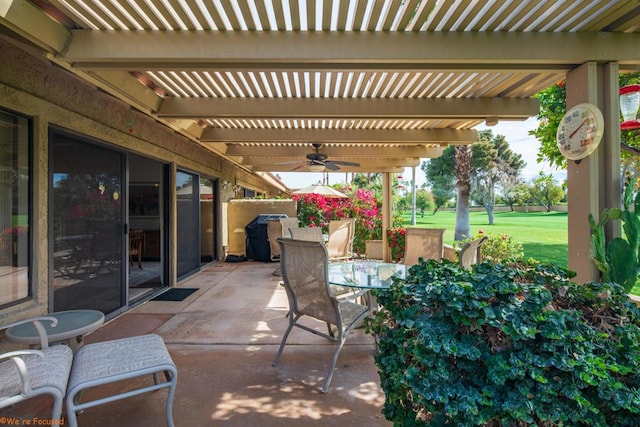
(590, 180)
(413, 195)
(387, 214)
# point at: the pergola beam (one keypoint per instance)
(360, 151)
(292, 161)
(363, 168)
(371, 136)
(223, 50)
(350, 108)
(30, 22)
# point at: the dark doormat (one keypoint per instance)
(175, 294)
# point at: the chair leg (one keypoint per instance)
(172, 391)
(331, 333)
(72, 418)
(292, 321)
(334, 360)
(56, 413)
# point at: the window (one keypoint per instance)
(15, 174)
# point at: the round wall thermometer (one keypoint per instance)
(580, 131)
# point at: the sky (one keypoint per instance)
(515, 132)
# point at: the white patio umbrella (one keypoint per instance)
(320, 189)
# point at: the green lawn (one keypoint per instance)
(543, 235)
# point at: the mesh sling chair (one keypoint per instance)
(425, 243)
(310, 234)
(30, 373)
(274, 230)
(341, 234)
(279, 228)
(304, 273)
(470, 252)
(287, 223)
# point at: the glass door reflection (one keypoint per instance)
(88, 230)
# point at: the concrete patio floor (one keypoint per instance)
(223, 339)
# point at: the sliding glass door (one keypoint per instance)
(147, 262)
(196, 222)
(188, 219)
(207, 221)
(86, 182)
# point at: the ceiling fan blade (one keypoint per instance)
(331, 166)
(299, 167)
(341, 163)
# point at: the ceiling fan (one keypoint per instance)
(317, 161)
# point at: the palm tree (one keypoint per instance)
(463, 187)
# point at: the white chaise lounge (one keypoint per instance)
(55, 370)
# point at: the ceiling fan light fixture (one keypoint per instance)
(316, 168)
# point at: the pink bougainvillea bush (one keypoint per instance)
(315, 210)
(396, 239)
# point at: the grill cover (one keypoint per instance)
(257, 242)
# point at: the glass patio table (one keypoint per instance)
(365, 274)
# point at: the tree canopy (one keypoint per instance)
(545, 191)
(492, 165)
(440, 176)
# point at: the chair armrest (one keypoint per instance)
(25, 383)
(16, 353)
(42, 333)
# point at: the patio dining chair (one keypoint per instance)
(341, 234)
(279, 228)
(310, 234)
(287, 223)
(425, 243)
(26, 374)
(470, 252)
(274, 230)
(304, 267)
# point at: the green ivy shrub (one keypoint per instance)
(507, 345)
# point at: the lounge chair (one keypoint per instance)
(57, 371)
(30, 373)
